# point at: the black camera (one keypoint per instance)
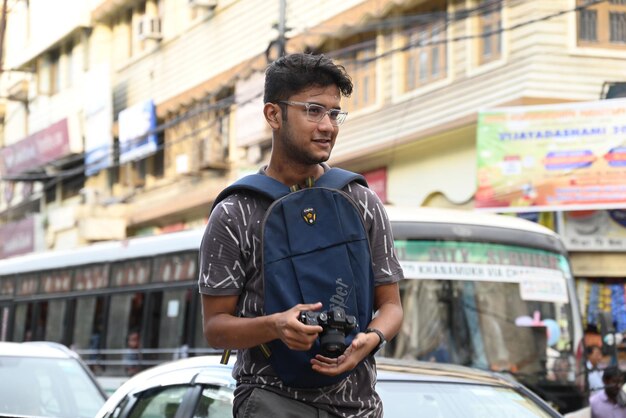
(336, 325)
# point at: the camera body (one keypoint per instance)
(336, 325)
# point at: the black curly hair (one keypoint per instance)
(291, 74)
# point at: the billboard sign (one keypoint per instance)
(552, 157)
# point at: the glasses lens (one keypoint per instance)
(315, 113)
(336, 116)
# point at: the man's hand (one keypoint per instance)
(292, 332)
(360, 348)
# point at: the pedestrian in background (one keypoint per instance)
(132, 355)
(302, 107)
(594, 374)
(611, 402)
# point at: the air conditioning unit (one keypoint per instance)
(149, 27)
(212, 152)
(209, 4)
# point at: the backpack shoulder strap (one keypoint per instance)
(338, 178)
(258, 183)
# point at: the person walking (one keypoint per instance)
(302, 106)
(594, 373)
(611, 402)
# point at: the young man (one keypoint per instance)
(302, 106)
(610, 403)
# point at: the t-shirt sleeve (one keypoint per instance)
(386, 266)
(221, 270)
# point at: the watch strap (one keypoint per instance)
(382, 342)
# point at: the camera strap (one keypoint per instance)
(226, 353)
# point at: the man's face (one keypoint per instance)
(301, 140)
(596, 356)
(613, 385)
(133, 340)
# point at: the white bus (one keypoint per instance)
(492, 292)
(488, 291)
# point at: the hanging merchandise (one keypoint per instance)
(617, 307)
(605, 298)
(583, 289)
(593, 304)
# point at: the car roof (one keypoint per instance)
(201, 369)
(42, 349)
(389, 369)
(208, 370)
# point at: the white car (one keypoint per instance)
(201, 387)
(45, 379)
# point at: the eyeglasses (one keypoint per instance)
(315, 113)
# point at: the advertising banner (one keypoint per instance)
(36, 150)
(18, 237)
(135, 123)
(552, 157)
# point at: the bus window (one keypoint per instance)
(480, 313)
(199, 340)
(23, 330)
(172, 322)
(88, 327)
(53, 316)
(4, 322)
(125, 314)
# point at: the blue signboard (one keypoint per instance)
(137, 126)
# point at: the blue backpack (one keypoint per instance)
(314, 249)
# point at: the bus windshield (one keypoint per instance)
(485, 305)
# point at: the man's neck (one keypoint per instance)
(292, 176)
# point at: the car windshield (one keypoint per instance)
(453, 400)
(47, 387)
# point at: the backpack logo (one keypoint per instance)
(309, 216)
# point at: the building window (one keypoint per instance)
(602, 25)
(425, 58)
(55, 72)
(489, 31)
(424, 44)
(360, 63)
(69, 64)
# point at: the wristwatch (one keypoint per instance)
(382, 342)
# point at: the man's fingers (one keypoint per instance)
(308, 306)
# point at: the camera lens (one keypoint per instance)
(333, 343)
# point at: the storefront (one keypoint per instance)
(596, 240)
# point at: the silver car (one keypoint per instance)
(201, 387)
(45, 379)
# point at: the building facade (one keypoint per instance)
(127, 117)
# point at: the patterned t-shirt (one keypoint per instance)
(230, 264)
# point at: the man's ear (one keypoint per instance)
(272, 115)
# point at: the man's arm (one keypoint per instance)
(222, 329)
(389, 312)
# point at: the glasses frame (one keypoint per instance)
(338, 120)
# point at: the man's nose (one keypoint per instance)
(324, 124)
